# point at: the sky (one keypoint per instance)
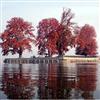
(86, 12)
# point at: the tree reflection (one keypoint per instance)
(55, 81)
(55, 84)
(16, 83)
(62, 82)
(42, 83)
(87, 79)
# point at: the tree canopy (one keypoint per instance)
(17, 36)
(86, 41)
(53, 36)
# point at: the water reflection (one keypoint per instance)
(70, 81)
(16, 83)
(49, 81)
(87, 79)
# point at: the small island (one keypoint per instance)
(53, 38)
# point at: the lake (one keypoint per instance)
(50, 81)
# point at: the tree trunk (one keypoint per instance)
(85, 55)
(20, 53)
(49, 53)
(60, 53)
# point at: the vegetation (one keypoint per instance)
(47, 36)
(86, 41)
(17, 36)
(53, 36)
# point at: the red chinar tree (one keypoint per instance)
(54, 37)
(47, 36)
(17, 36)
(66, 38)
(86, 41)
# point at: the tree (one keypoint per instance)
(17, 36)
(55, 36)
(86, 41)
(47, 30)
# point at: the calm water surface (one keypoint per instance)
(50, 81)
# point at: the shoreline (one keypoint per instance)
(64, 59)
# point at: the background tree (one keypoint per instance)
(17, 36)
(86, 41)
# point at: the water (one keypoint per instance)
(50, 81)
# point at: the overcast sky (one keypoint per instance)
(86, 12)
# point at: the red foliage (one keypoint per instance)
(17, 36)
(54, 37)
(47, 29)
(86, 41)
(46, 26)
(51, 43)
(64, 40)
